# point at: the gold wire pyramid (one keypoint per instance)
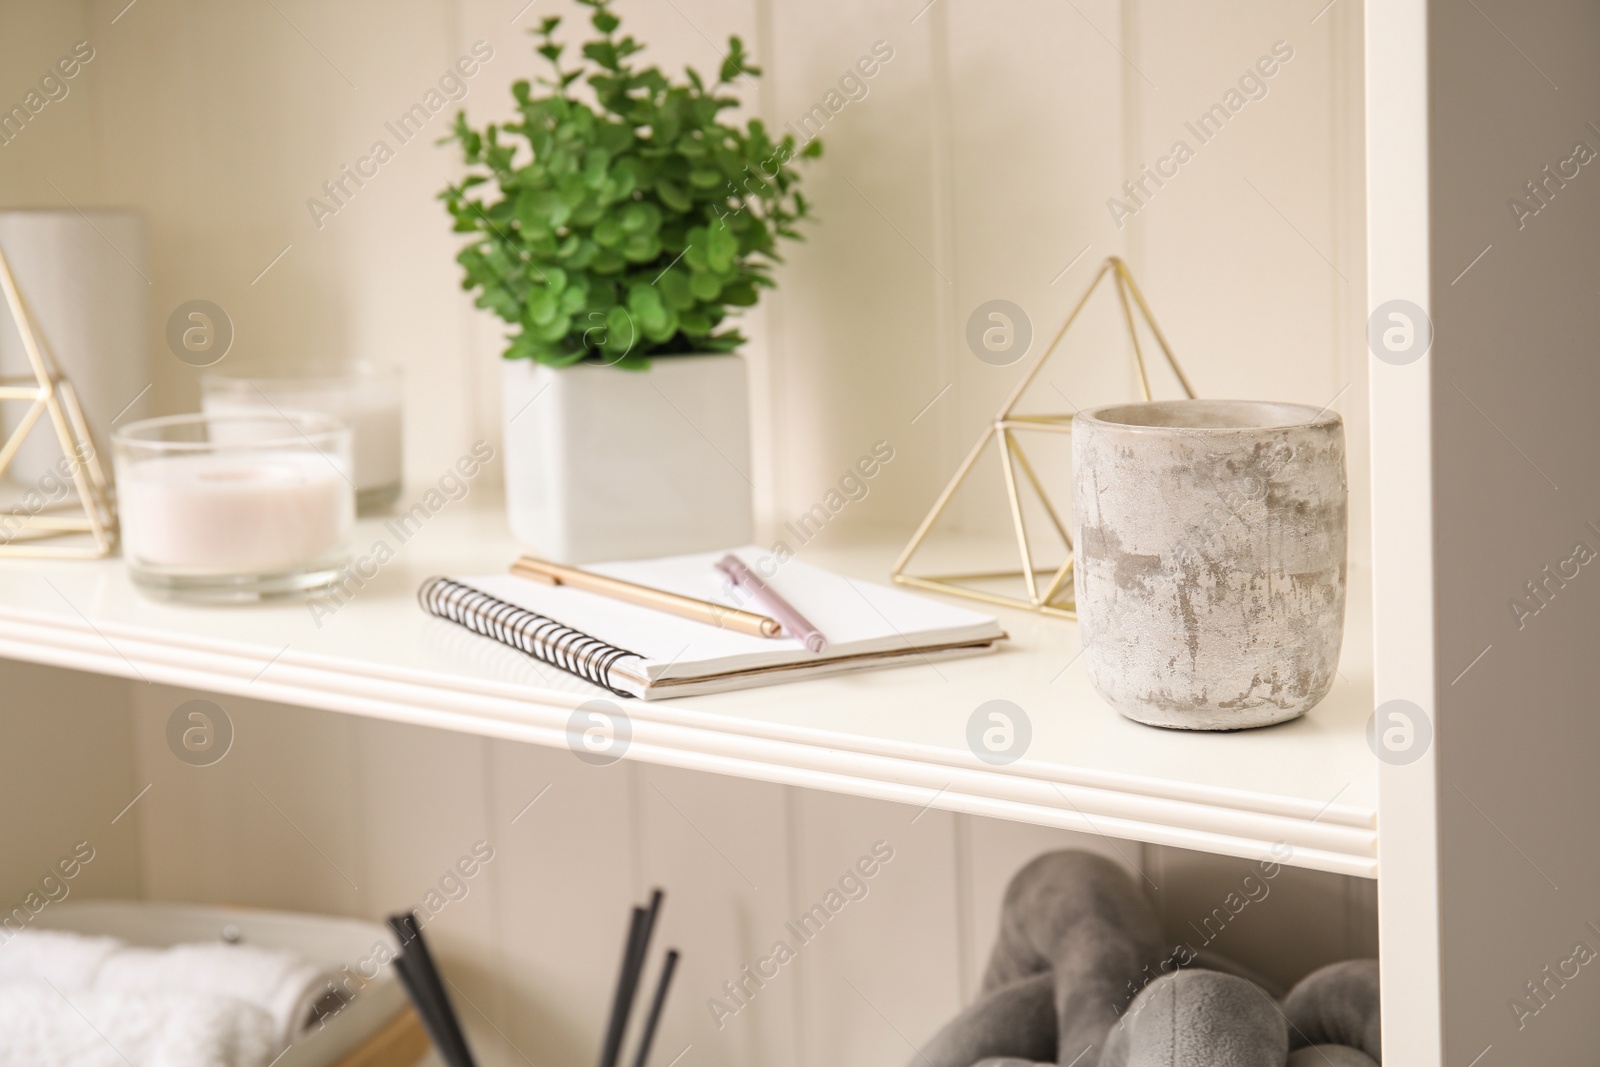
(1048, 591)
(25, 526)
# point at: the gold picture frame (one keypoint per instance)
(1048, 592)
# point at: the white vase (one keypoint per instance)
(84, 278)
(605, 463)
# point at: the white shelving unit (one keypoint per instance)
(1484, 472)
(979, 165)
(893, 734)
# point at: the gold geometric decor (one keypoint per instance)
(27, 526)
(1048, 591)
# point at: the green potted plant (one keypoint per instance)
(617, 227)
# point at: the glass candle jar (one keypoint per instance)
(235, 507)
(367, 397)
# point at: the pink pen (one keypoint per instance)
(764, 594)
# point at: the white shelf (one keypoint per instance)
(897, 734)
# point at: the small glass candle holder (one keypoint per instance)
(228, 508)
(367, 397)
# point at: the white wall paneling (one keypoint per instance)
(65, 778)
(977, 166)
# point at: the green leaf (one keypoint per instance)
(620, 334)
(641, 217)
(721, 247)
(573, 299)
(608, 232)
(605, 21)
(694, 256)
(662, 330)
(501, 302)
(641, 247)
(704, 286)
(624, 179)
(541, 210)
(581, 255)
(673, 196)
(587, 213)
(563, 358)
(645, 301)
(603, 53)
(522, 347)
(554, 330)
(655, 321)
(608, 261)
(674, 286)
(541, 307)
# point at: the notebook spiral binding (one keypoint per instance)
(541, 637)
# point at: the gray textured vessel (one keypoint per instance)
(1210, 572)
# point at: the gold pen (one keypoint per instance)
(687, 607)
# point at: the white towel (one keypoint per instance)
(45, 1027)
(62, 959)
(282, 984)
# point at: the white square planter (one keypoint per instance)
(605, 463)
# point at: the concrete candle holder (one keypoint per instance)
(1210, 539)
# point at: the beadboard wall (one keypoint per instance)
(978, 166)
(983, 161)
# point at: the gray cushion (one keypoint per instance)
(1337, 1005)
(1083, 918)
(1015, 1022)
(1077, 938)
(1199, 1019)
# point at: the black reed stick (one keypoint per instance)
(627, 981)
(656, 897)
(416, 949)
(656, 1004)
(432, 1018)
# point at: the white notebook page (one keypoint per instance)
(857, 617)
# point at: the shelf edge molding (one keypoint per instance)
(1339, 839)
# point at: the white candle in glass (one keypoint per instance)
(235, 508)
(366, 398)
(244, 513)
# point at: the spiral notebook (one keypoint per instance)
(635, 651)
